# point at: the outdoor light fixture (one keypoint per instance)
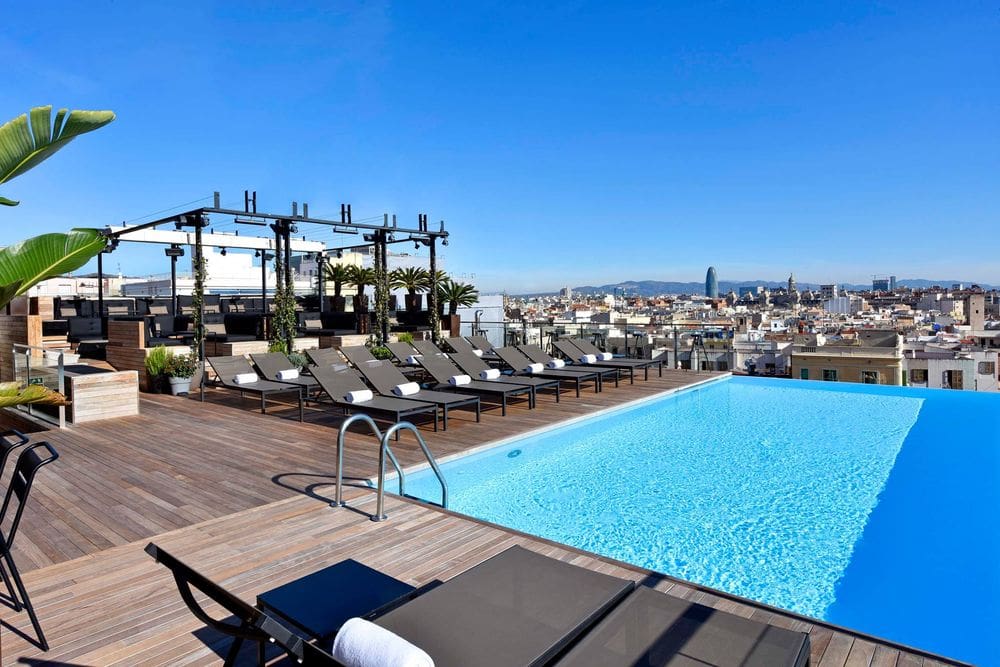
(340, 254)
(174, 251)
(223, 252)
(445, 241)
(416, 245)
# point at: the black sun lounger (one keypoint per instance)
(462, 346)
(520, 364)
(538, 356)
(586, 347)
(573, 355)
(227, 368)
(339, 382)
(326, 356)
(442, 370)
(385, 377)
(271, 363)
(473, 366)
(402, 352)
(516, 609)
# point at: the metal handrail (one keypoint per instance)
(384, 449)
(339, 502)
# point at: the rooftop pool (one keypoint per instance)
(875, 508)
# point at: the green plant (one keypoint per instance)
(181, 365)
(361, 277)
(24, 144)
(380, 352)
(25, 263)
(298, 360)
(156, 360)
(198, 303)
(278, 346)
(405, 338)
(339, 274)
(457, 294)
(284, 322)
(412, 279)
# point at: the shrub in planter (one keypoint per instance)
(180, 368)
(381, 353)
(156, 365)
(298, 359)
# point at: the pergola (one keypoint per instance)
(189, 226)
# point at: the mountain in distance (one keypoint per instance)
(657, 287)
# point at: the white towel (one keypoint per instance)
(478, 353)
(605, 356)
(588, 359)
(556, 363)
(245, 378)
(406, 389)
(489, 374)
(361, 643)
(359, 396)
(534, 368)
(459, 380)
(290, 374)
(413, 359)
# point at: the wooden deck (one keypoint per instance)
(243, 497)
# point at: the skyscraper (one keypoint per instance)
(711, 284)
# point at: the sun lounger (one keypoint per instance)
(522, 366)
(538, 356)
(403, 352)
(385, 378)
(574, 356)
(338, 383)
(227, 368)
(586, 347)
(270, 364)
(326, 356)
(480, 343)
(444, 371)
(461, 345)
(518, 608)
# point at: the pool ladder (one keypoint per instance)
(385, 451)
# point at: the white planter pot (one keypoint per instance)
(179, 385)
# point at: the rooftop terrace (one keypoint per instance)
(244, 498)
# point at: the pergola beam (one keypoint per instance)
(231, 241)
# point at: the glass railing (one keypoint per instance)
(36, 365)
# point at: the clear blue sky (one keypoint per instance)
(576, 143)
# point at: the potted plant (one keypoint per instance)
(179, 370)
(298, 360)
(339, 274)
(156, 367)
(414, 280)
(361, 277)
(455, 295)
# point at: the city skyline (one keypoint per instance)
(651, 141)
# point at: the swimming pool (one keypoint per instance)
(871, 507)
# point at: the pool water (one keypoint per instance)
(870, 507)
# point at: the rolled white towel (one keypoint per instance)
(588, 359)
(605, 356)
(406, 389)
(459, 380)
(359, 396)
(489, 374)
(413, 359)
(361, 643)
(290, 374)
(534, 368)
(245, 378)
(478, 353)
(556, 363)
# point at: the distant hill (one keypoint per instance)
(656, 287)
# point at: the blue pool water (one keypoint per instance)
(875, 508)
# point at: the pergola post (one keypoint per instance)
(199, 288)
(321, 264)
(432, 298)
(382, 303)
(100, 292)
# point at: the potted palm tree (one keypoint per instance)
(456, 295)
(361, 277)
(414, 280)
(339, 274)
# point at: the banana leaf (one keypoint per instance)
(25, 144)
(27, 262)
(15, 393)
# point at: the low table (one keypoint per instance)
(319, 603)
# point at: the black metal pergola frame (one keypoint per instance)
(284, 225)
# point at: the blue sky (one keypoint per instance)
(562, 143)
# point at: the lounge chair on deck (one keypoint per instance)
(518, 608)
(325, 356)
(448, 376)
(523, 366)
(462, 346)
(481, 344)
(404, 353)
(228, 368)
(386, 378)
(580, 360)
(478, 369)
(586, 347)
(538, 356)
(271, 364)
(340, 383)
